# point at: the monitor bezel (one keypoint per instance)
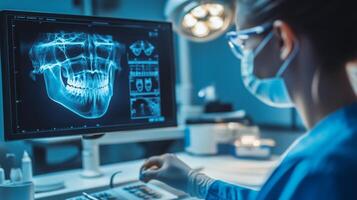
(7, 132)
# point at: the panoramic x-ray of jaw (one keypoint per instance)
(79, 70)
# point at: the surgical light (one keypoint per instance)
(189, 21)
(215, 9)
(200, 20)
(200, 30)
(199, 12)
(215, 22)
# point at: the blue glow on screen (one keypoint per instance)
(75, 75)
(79, 70)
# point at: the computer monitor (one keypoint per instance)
(74, 75)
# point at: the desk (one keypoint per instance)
(245, 172)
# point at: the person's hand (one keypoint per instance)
(168, 169)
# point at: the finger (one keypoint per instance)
(153, 162)
(149, 174)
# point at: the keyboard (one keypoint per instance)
(131, 191)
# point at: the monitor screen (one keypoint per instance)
(66, 75)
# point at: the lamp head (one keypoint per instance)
(200, 20)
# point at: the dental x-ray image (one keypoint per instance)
(142, 46)
(139, 85)
(144, 80)
(75, 75)
(144, 107)
(79, 70)
(144, 85)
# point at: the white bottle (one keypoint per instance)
(2, 176)
(26, 164)
(15, 172)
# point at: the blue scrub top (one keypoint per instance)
(322, 165)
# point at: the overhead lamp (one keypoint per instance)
(200, 20)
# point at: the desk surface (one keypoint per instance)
(245, 172)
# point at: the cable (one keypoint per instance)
(111, 183)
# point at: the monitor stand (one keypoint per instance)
(90, 156)
(91, 143)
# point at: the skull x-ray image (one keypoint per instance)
(79, 70)
(69, 75)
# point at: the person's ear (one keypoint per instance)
(287, 38)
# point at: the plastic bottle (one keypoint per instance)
(2, 176)
(26, 164)
(15, 171)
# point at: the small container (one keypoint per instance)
(206, 131)
(2, 176)
(17, 191)
(26, 165)
(15, 171)
(253, 147)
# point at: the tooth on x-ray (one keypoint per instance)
(79, 70)
(148, 84)
(142, 46)
(139, 85)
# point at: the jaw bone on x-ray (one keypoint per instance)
(79, 70)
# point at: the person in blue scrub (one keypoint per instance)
(294, 53)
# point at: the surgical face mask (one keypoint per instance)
(271, 91)
(352, 75)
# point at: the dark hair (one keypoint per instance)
(331, 25)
